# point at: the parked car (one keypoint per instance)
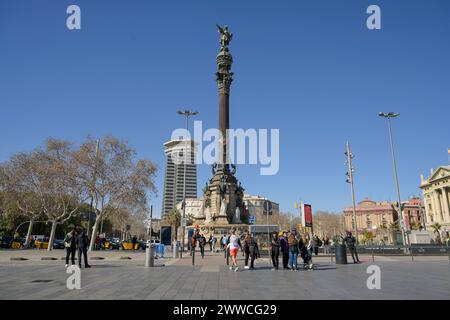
(17, 243)
(58, 244)
(5, 242)
(41, 243)
(112, 244)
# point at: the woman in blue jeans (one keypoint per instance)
(293, 251)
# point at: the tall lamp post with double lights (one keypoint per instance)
(389, 116)
(349, 180)
(186, 114)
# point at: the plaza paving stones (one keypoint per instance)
(113, 278)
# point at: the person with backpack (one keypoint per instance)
(275, 250)
(251, 251)
(195, 237)
(293, 251)
(202, 244)
(284, 246)
(71, 246)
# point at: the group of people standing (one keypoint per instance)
(290, 246)
(77, 240)
(199, 238)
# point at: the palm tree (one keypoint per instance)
(383, 228)
(436, 227)
(173, 218)
(393, 228)
(416, 226)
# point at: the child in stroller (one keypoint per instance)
(306, 255)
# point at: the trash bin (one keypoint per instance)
(160, 250)
(175, 251)
(341, 254)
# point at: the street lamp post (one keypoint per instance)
(352, 187)
(389, 116)
(186, 114)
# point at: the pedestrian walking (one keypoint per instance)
(224, 242)
(195, 237)
(134, 242)
(214, 242)
(284, 246)
(234, 246)
(275, 250)
(210, 243)
(70, 245)
(82, 246)
(350, 241)
(202, 244)
(326, 245)
(251, 251)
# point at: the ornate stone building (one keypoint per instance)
(375, 217)
(255, 206)
(436, 197)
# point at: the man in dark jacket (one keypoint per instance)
(284, 250)
(275, 250)
(202, 244)
(251, 251)
(70, 245)
(350, 241)
(82, 245)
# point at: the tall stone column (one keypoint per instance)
(224, 78)
(446, 205)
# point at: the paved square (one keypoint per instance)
(116, 278)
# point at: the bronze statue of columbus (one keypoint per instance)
(225, 36)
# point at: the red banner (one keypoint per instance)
(308, 215)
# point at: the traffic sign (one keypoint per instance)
(251, 219)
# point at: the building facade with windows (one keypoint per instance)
(257, 207)
(174, 174)
(436, 194)
(373, 217)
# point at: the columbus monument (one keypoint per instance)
(223, 195)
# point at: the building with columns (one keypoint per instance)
(436, 189)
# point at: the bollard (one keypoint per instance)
(193, 256)
(150, 256)
(228, 256)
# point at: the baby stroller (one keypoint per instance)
(307, 258)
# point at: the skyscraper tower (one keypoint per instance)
(174, 175)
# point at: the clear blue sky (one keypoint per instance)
(310, 68)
